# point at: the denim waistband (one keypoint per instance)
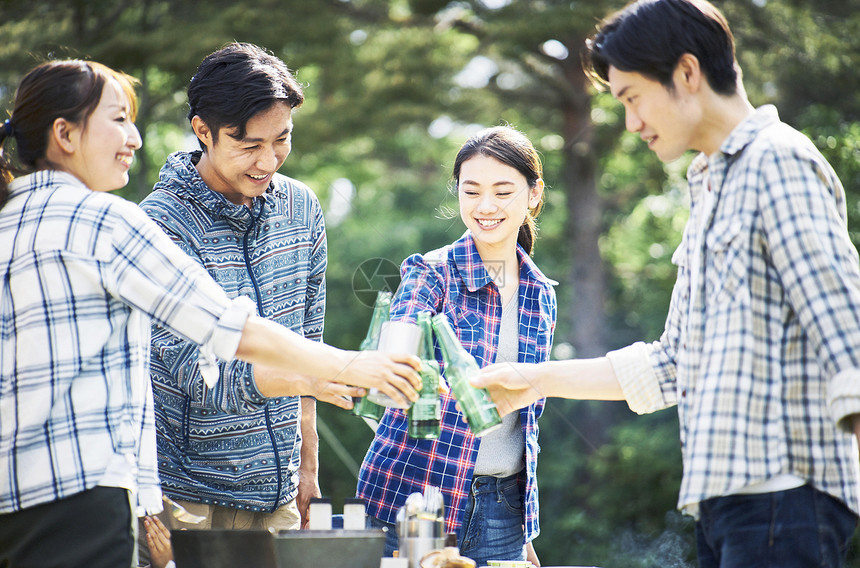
(484, 483)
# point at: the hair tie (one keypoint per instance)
(8, 128)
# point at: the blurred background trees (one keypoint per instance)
(393, 87)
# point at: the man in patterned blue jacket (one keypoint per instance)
(240, 459)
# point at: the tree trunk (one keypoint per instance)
(139, 186)
(585, 314)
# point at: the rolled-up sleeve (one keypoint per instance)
(843, 398)
(637, 378)
(147, 270)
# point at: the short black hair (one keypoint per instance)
(650, 36)
(235, 83)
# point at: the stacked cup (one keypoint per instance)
(421, 525)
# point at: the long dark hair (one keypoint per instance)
(512, 148)
(69, 89)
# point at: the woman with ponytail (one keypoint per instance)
(503, 309)
(83, 274)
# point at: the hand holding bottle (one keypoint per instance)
(268, 343)
(475, 403)
(364, 407)
(511, 385)
(396, 337)
(392, 374)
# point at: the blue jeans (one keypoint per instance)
(798, 528)
(492, 527)
(391, 543)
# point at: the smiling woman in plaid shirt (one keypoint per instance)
(761, 349)
(83, 272)
(503, 309)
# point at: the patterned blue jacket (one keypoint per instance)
(232, 446)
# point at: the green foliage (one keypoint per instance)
(392, 90)
(607, 484)
(839, 141)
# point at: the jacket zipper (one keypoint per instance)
(248, 260)
(277, 458)
(269, 428)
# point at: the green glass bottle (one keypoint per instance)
(425, 414)
(477, 406)
(361, 405)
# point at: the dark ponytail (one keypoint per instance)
(6, 169)
(528, 232)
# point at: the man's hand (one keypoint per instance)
(512, 385)
(855, 423)
(309, 486)
(517, 385)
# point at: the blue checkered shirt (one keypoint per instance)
(83, 273)
(454, 281)
(763, 356)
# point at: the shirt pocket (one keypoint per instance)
(470, 325)
(726, 255)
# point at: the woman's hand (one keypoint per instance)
(395, 375)
(531, 555)
(316, 369)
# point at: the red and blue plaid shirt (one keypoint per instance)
(454, 281)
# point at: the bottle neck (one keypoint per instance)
(380, 316)
(448, 342)
(427, 352)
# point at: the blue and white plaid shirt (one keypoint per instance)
(83, 273)
(763, 356)
(454, 281)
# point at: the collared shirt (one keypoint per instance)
(83, 273)
(763, 356)
(229, 445)
(454, 281)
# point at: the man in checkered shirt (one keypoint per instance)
(761, 348)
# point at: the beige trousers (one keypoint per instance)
(286, 517)
(216, 517)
